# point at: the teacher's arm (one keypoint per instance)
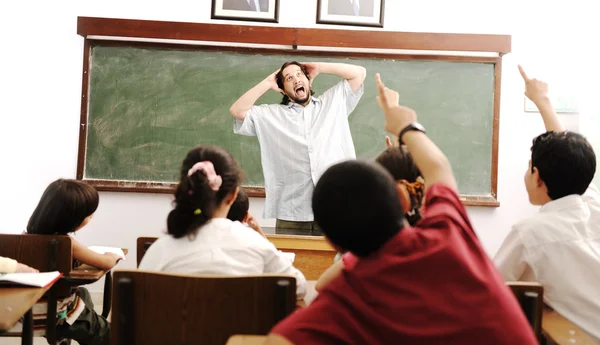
(240, 108)
(353, 73)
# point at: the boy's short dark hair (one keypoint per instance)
(357, 206)
(239, 208)
(566, 162)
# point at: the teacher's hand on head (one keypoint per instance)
(536, 90)
(397, 117)
(272, 81)
(312, 68)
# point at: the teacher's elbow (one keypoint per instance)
(238, 113)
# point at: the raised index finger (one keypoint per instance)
(523, 74)
(380, 87)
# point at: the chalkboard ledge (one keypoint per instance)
(257, 192)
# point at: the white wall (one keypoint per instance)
(40, 78)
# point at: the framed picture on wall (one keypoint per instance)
(351, 12)
(251, 10)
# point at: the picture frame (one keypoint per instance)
(246, 10)
(351, 12)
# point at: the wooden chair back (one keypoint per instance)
(159, 308)
(531, 298)
(143, 243)
(43, 252)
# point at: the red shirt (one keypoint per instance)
(432, 284)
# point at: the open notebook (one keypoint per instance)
(102, 250)
(29, 279)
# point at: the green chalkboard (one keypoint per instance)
(149, 106)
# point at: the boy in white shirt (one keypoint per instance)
(560, 246)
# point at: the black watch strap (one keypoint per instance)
(415, 126)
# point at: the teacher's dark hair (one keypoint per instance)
(279, 78)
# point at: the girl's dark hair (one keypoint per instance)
(239, 208)
(279, 78)
(398, 162)
(63, 207)
(195, 202)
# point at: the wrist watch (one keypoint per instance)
(415, 126)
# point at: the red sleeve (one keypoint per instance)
(443, 205)
(349, 260)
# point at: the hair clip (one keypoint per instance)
(190, 192)
(197, 211)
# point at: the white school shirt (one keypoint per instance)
(220, 247)
(560, 248)
(297, 145)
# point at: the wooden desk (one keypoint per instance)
(559, 331)
(86, 274)
(17, 302)
(313, 253)
(246, 340)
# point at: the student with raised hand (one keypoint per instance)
(428, 284)
(410, 186)
(65, 208)
(560, 246)
(201, 239)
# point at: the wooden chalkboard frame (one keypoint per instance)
(125, 32)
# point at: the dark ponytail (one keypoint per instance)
(195, 201)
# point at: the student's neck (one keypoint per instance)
(221, 211)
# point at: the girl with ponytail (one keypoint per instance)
(201, 240)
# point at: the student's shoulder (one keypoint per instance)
(161, 242)
(247, 234)
(592, 194)
(536, 229)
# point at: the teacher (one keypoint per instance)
(301, 137)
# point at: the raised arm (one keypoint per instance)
(353, 73)
(537, 91)
(430, 160)
(244, 103)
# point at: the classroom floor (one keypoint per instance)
(96, 298)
